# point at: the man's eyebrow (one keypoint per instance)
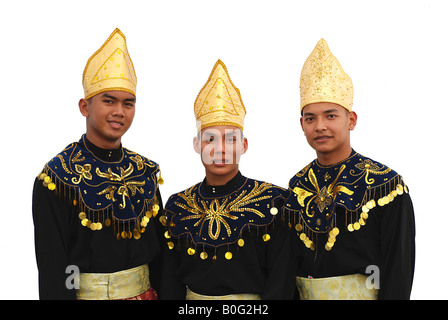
(106, 95)
(208, 134)
(307, 114)
(231, 133)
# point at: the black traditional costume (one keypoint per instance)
(229, 241)
(93, 209)
(354, 219)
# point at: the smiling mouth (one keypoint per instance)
(115, 124)
(322, 138)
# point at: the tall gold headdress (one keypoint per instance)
(219, 101)
(323, 79)
(110, 68)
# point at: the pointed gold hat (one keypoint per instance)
(219, 101)
(110, 68)
(323, 79)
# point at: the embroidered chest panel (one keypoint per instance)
(356, 184)
(123, 191)
(216, 221)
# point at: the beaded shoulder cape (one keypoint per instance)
(121, 192)
(214, 221)
(357, 184)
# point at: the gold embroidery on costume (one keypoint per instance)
(323, 197)
(367, 166)
(64, 166)
(84, 172)
(140, 163)
(115, 177)
(77, 157)
(100, 193)
(130, 185)
(109, 192)
(212, 222)
(216, 213)
(360, 185)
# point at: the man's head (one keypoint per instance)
(327, 129)
(220, 148)
(220, 112)
(108, 115)
(109, 82)
(326, 100)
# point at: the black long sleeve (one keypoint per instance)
(52, 223)
(397, 249)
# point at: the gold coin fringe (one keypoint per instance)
(192, 247)
(357, 219)
(95, 220)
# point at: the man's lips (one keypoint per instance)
(322, 138)
(116, 124)
(220, 162)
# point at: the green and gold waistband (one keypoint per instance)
(349, 287)
(111, 286)
(240, 296)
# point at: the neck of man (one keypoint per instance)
(103, 143)
(220, 180)
(331, 158)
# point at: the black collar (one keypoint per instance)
(108, 155)
(223, 189)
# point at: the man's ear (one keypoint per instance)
(245, 145)
(83, 103)
(353, 119)
(196, 145)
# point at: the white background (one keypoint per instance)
(394, 51)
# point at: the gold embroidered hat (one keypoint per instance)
(323, 79)
(110, 68)
(219, 101)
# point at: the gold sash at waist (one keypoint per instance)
(240, 296)
(350, 287)
(110, 286)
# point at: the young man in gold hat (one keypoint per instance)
(354, 218)
(221, 240)
(93, 204)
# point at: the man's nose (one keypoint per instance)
(118, 110)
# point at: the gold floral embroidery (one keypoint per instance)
(217, 213)
(368, 166)
(140, 162)
(84, 172)
(322, 196)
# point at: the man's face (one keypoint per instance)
(327, 128)
(108, 115)
(220, 148)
